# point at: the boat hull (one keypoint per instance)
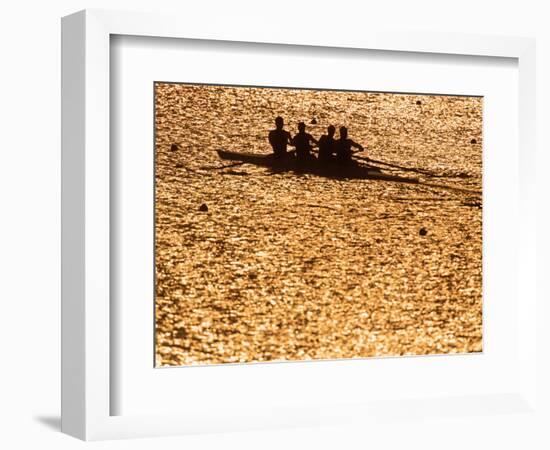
(313, 167)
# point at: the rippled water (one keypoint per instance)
(294, 267)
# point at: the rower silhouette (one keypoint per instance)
(327, 145)
(344, 146)
(302, 141)
(279, 138)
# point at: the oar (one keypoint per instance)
(221, 167)
(405, 169)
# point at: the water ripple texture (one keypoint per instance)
(254, 265)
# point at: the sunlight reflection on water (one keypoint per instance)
(289, 267)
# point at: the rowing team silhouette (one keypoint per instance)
(330, 149)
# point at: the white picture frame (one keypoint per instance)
(87, 324)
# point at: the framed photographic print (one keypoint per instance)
(264, 231)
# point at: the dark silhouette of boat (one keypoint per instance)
(313, 167)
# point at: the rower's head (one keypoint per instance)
(279, 123)
(343, 133)
(301, 127)
(331, 130)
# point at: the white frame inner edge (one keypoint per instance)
(138, 388)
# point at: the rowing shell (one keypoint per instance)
(313, 167)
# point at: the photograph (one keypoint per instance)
(306, 224)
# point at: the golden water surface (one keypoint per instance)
(285, 266)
